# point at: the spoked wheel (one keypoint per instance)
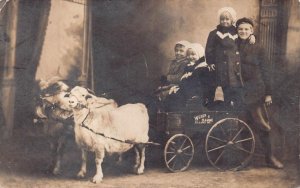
(178, 153)
(230, 144)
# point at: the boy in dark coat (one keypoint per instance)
(256, 76)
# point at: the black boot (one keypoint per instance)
(273, 162)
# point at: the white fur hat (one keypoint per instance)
(184, 43)
(231, 11)
(198, 48)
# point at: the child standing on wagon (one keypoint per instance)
(221, 51)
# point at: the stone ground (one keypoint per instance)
(23, 162)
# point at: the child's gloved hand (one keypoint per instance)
(252, 39)
(186, 75)
(211, 67)
(268, 100)
(173, 89)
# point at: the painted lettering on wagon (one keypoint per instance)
(203, 119)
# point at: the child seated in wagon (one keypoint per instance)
(176, 70)
(193, 83)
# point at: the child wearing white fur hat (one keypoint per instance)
(192, 83)
(221, 51)
(176, 69)
(195, 72)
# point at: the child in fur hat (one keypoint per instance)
(192, 82)
(195, 72)
(175, 71)
(178, 64)
(222, 52)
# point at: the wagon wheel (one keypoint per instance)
(178, 153)
(229, 144)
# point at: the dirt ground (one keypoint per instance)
(23, 163)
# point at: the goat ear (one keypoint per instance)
(90, 91)
(88, 97)
(43, 84)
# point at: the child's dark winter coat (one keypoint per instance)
(221, 50)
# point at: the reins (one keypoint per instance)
(113, 138)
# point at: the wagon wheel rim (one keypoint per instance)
(178, 153)
(225, 147)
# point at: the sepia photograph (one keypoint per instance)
(150, 93)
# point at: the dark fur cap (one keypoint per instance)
(244, 20)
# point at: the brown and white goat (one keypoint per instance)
(58, 124)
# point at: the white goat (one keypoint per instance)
(86, 98)
(105, 129)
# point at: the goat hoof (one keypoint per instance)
(119, 160)
(97, 179)
(48, 171)
(81, 174)
(138, 171)
(56, 171)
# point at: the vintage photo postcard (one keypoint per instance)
(149, 93)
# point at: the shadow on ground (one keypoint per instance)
(24, 161)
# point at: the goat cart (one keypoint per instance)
(229, 141)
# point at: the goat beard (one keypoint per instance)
(40, 113)
(60, 114)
